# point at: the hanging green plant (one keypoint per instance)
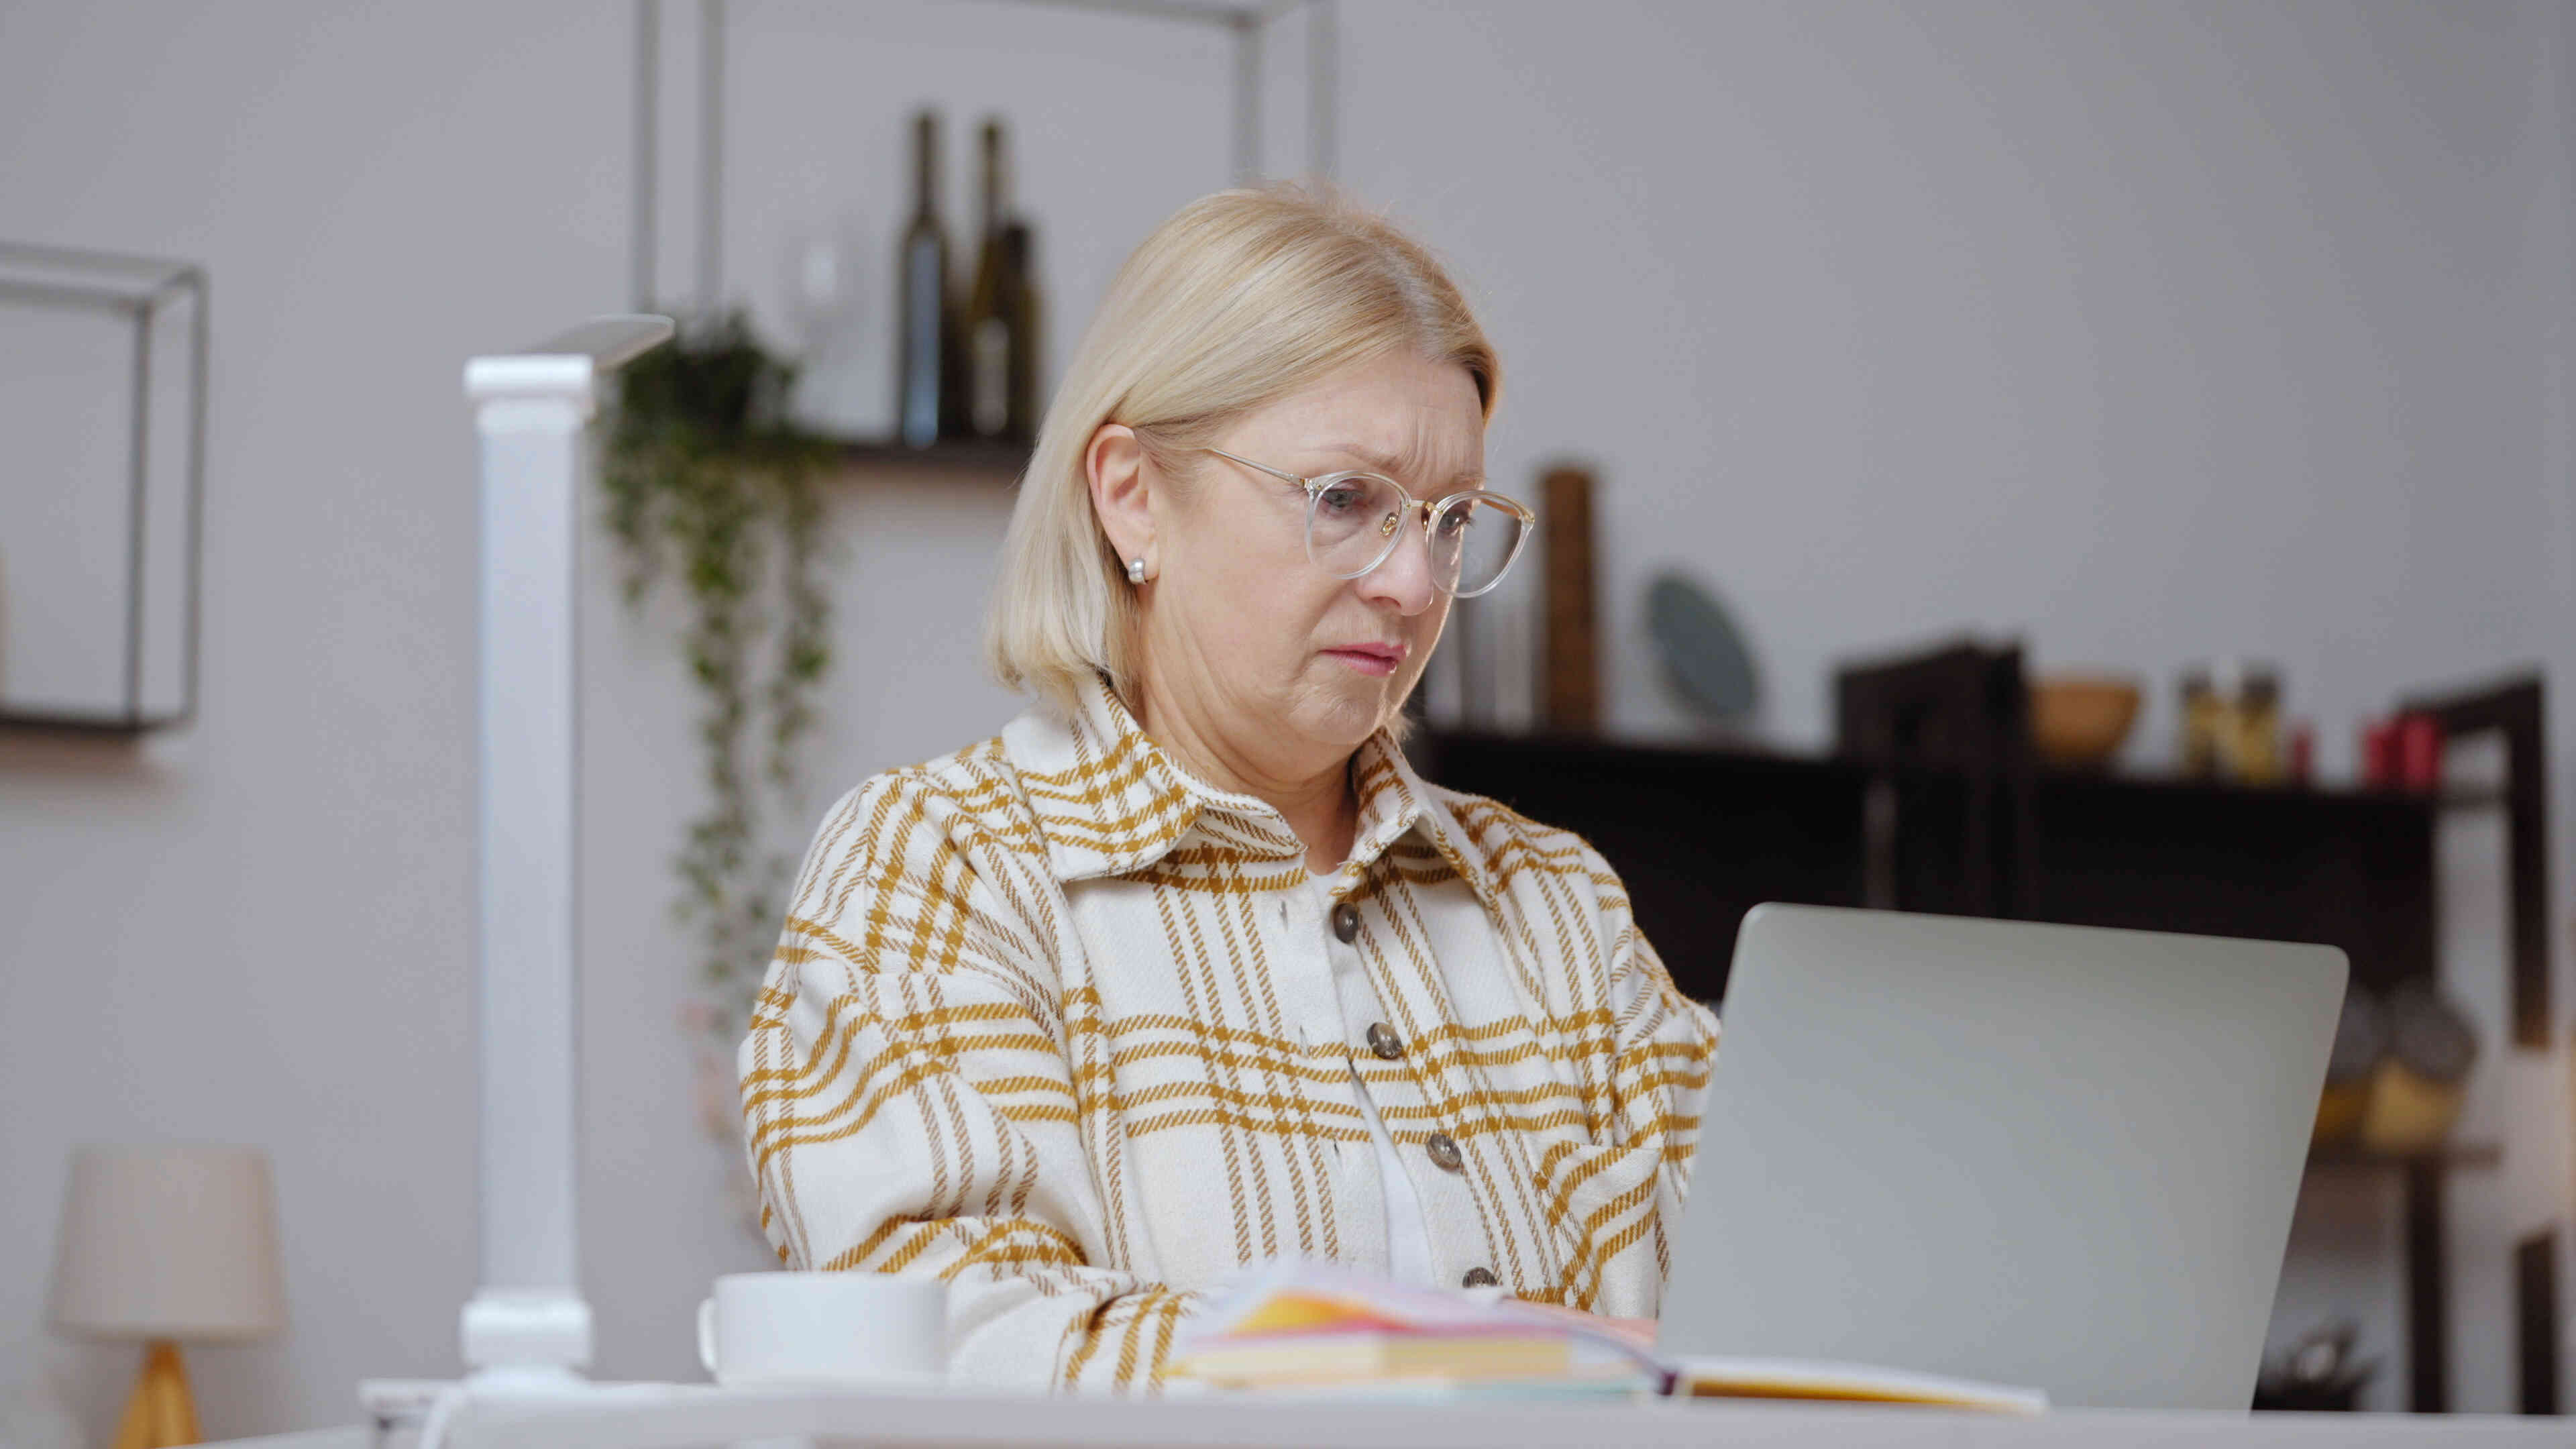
(709, 484)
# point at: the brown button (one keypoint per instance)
(1384, 1041)
(1346, 922)
(1478, 1278)
(1444, 1152)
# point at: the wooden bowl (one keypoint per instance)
(2081, 719)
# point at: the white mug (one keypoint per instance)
(810, 1330)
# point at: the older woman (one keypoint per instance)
(1187, 968)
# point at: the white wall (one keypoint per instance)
(256, 929)
(2147, 334)
(2144, 333)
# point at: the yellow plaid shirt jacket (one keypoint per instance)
(1051, 1020)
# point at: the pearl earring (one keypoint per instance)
(1136, 570)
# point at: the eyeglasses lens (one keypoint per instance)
(1353, 524)
(1472, 542)
(1356, 522)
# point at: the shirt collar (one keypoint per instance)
(1109, 801)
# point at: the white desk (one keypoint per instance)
(673, 1416)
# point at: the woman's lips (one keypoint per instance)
(1373, 659)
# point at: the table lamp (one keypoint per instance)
(162, 1244)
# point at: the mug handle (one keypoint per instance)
(707, 1335)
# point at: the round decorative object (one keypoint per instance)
(1383, 1041)
(1702, 650)
(1479, 1278)
(2418, 1088)
(2080, 720)
(1444, 1152)
(2361, 1039)
(1136, 570)
(2429, 1034)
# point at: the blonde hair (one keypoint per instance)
(1237, 300)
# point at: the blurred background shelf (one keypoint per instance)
(2449, 797)
(2463, 1156)
(85, 726)
(2348, 868)
(999, 462)
(1933, 800)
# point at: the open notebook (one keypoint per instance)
(1305, 1327)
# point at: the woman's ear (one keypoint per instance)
(1122, 493)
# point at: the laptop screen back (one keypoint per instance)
(2038, 1155)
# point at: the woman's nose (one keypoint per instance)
(1404, 578)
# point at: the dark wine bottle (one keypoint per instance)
(926, 361)
(1028, 334)
(987, 326)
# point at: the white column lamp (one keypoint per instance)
(527, 1326)
(165, 1244)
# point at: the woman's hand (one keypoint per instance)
(1638, 1333)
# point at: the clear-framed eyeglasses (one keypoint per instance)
(1354, 520)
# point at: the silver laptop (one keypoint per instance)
(2046, 1156)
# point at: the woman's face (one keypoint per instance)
(1289, 667)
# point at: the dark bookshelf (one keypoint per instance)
(1702, 835)
(1934, 802)
(2471, 1156)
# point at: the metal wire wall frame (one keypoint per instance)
(1246, 21)
(148, 284)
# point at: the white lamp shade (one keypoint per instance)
(169, 1242)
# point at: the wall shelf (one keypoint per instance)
(1000, 462)
(2449, 1156)
(77, 682)
(2454, 797)
(82, 726)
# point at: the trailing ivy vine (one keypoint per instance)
(708, 484)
